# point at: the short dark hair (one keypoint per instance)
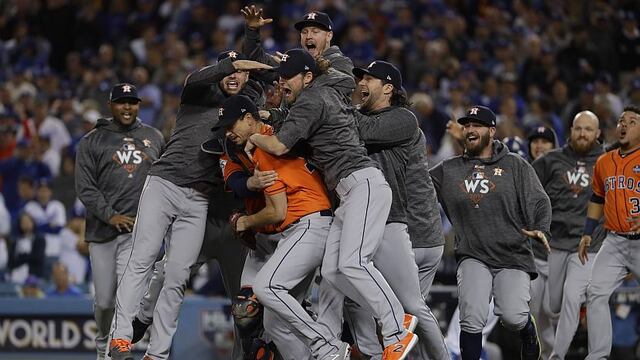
(632, 108)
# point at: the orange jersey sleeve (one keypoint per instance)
(306, 192)
(617, 180)
(597, 183)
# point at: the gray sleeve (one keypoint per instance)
(86, 183)
(392, 128)
(277, 117)
(252, 47)
(534, 201)
(437, 173)
(305, 116)
(540, 166)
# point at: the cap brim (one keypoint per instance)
(285, 74)
(360, 73)
(304, 23)
(126, 97)
(465, 120)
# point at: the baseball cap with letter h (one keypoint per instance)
(232, 110)
(315, 18)
(479, 114)
(123, 91)
(294, 62)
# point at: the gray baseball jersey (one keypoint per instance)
(489, 201)
(389, 135)
(176, 196)
(111, 165)
(423, 212)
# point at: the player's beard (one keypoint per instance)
(368, 104)
(474, 150)
(581, 147)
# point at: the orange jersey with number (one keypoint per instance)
(306, 192)
(616, 178)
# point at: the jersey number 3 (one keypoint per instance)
(635, 203)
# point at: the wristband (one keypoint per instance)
(589, 225)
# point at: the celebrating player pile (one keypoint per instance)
(330, 183)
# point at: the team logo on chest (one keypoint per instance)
(129, 157)
(477, 185)
(578, 178)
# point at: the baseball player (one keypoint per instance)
(218, 241)
(566, 175)
(541, 140)
(259, 329)
(112, 162)
(316, 33)
(495, 203)
(390, 131)
(320, 117)
(298, 206)
(616, 185)
(176, 197)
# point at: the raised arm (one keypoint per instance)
(252, 44)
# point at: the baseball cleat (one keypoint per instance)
(410, 322)
(531, 349)
(139, 329)
(401, 349)
(120, 349)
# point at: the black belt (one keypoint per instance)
(635, 236)
(326, 212)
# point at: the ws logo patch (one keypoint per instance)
(129, 157)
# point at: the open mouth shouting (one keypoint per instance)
(232, 85)
(127, 116)
(365, 95)
(623, 134)
(310, 45)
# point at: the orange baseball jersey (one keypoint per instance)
(616, 179)
(306, 192)
(252, 205)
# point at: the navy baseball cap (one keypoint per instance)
(294, 62)
(232, 110)
(315, 18)
(479, 114)
(542, 132)
(123, 91)
(382, 70)
(235, 55)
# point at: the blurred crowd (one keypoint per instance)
(534, 63)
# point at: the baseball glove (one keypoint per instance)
(247, 237)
